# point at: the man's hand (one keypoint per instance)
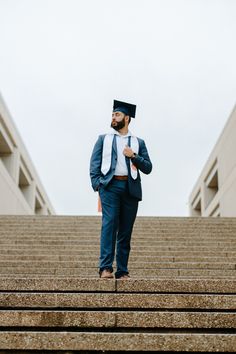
(128, 151)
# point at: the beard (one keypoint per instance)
(118, 125)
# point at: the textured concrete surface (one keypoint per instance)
(179, 285)
(78, 319)
(138, 285)
(134, 258)
(118, 300)
(120, 341)
(181, 297)
(132, 285)
(138, 252)
(123, 319)
(176, 320)
(59, 284)
(135, 273)
(133, 265)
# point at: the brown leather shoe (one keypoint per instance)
(106, 274)
(124, 277)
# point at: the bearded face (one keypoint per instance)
(117, 125)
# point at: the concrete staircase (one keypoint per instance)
(182, 295)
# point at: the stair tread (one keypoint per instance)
(132, 285)
(93, 300)
(116, 319)
(166, 341)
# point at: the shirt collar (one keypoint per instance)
(121, 135)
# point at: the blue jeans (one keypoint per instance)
(119, 211)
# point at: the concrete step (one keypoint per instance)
(94, 258)
(116, 319)
(135, 341)
(132, 265)
(93, 226)
(88, 300)
(135, 274)
(211, 231)
(137, 252)
(169, 226)
(96, 241)
(70, 219)
(84, 240)
(140, 237)
(221, 286)
(93, 271)
(54, 248)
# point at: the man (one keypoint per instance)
(115, 163)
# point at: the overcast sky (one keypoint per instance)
(62, 62)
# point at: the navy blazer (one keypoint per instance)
(141, 161)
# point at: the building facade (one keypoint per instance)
(214, 194)
(21, 191)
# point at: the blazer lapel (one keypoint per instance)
(127, 160)
(114, 146)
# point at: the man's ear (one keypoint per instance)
(127, 118)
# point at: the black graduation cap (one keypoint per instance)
(127, 108)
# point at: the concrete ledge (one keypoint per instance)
(123, 319)
(176, 320)
(81, 273)
(79, 319)
(132, 265)
(57, 284)
(178, 285)
(118, 341)
(160, 275)
(16, 239)
(132, 258)
(136, 253)
(117, 300)
(28, 237)
(137, 285)
(144, 251)
(93, 232)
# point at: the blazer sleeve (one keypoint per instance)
(142, 160)
(95, 163)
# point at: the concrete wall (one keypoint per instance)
(214, 194)
(21, 191)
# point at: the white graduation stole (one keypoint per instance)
(107, 151)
